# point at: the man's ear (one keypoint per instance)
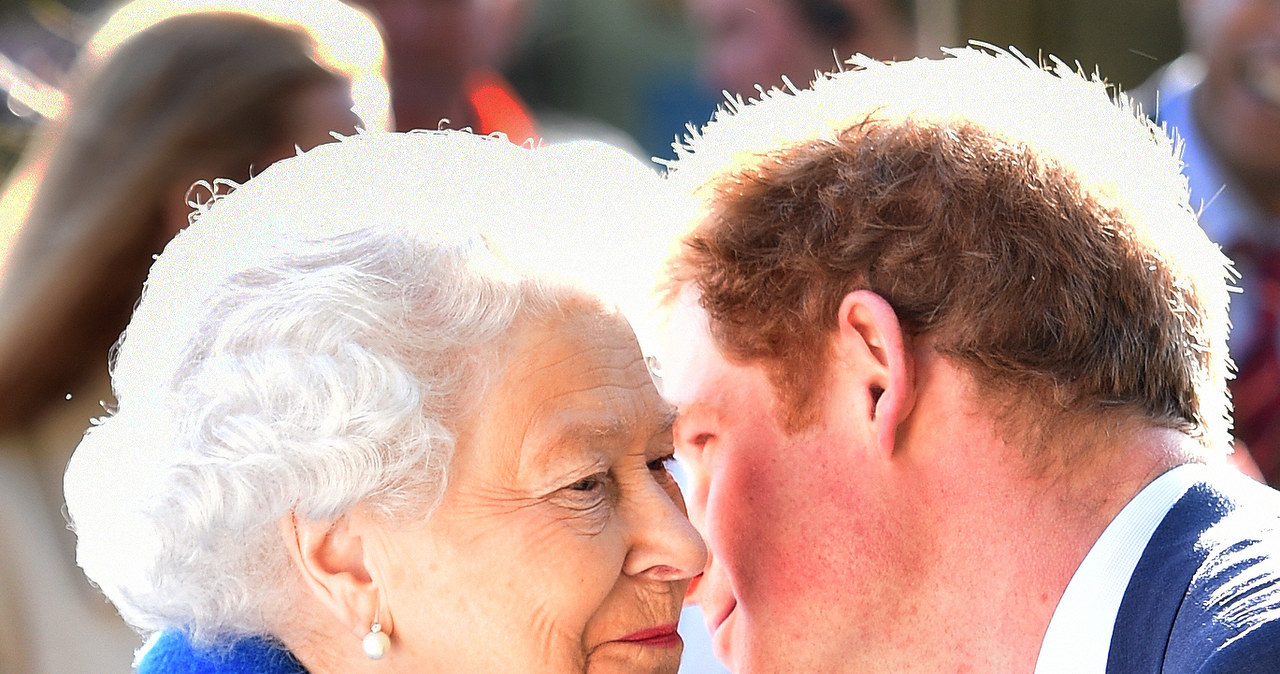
(872, 344)
(334, 563)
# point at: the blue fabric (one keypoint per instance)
(1205, 596)
(172, 653)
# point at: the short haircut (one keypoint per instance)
(1035, 229)
(312, 343)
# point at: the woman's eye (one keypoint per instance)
(587, 494)
(588, 484)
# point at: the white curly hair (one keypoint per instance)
(310, 341)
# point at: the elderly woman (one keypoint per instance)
(349, 438)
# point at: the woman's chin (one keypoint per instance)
(628, 658)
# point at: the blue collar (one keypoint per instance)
(172, 653)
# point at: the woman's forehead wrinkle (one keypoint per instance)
(575, 386)
(666, 418)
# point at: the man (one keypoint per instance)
(746, 43)
(949, 352)
(1223, 98)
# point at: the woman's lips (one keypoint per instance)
(660, 636)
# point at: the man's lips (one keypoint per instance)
(720, 639)
(662, 636)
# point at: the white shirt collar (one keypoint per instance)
(1079, 636)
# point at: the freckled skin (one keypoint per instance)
(780, 514)
(561, 530)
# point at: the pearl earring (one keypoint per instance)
(376, 642)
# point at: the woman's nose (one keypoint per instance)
(664, 544)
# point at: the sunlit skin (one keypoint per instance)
(1238, 103)
(773, 529)
(561, 544)
(858, 543)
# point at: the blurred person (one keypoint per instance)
(349, 438)
(164, 95)
(446, 61)
(441, 66)
(750, 43)
(949, 351)
(1223, 99)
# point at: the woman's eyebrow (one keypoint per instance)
(585, 429)
(667, 421)
(576, 429)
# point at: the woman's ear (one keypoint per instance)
(334, 563)
(873, 346)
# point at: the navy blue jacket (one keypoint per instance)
(1205, 596)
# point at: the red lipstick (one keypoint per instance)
(662, 636)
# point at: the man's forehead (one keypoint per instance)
(686, 350)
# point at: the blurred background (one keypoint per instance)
(634, 72)
(635, 64)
